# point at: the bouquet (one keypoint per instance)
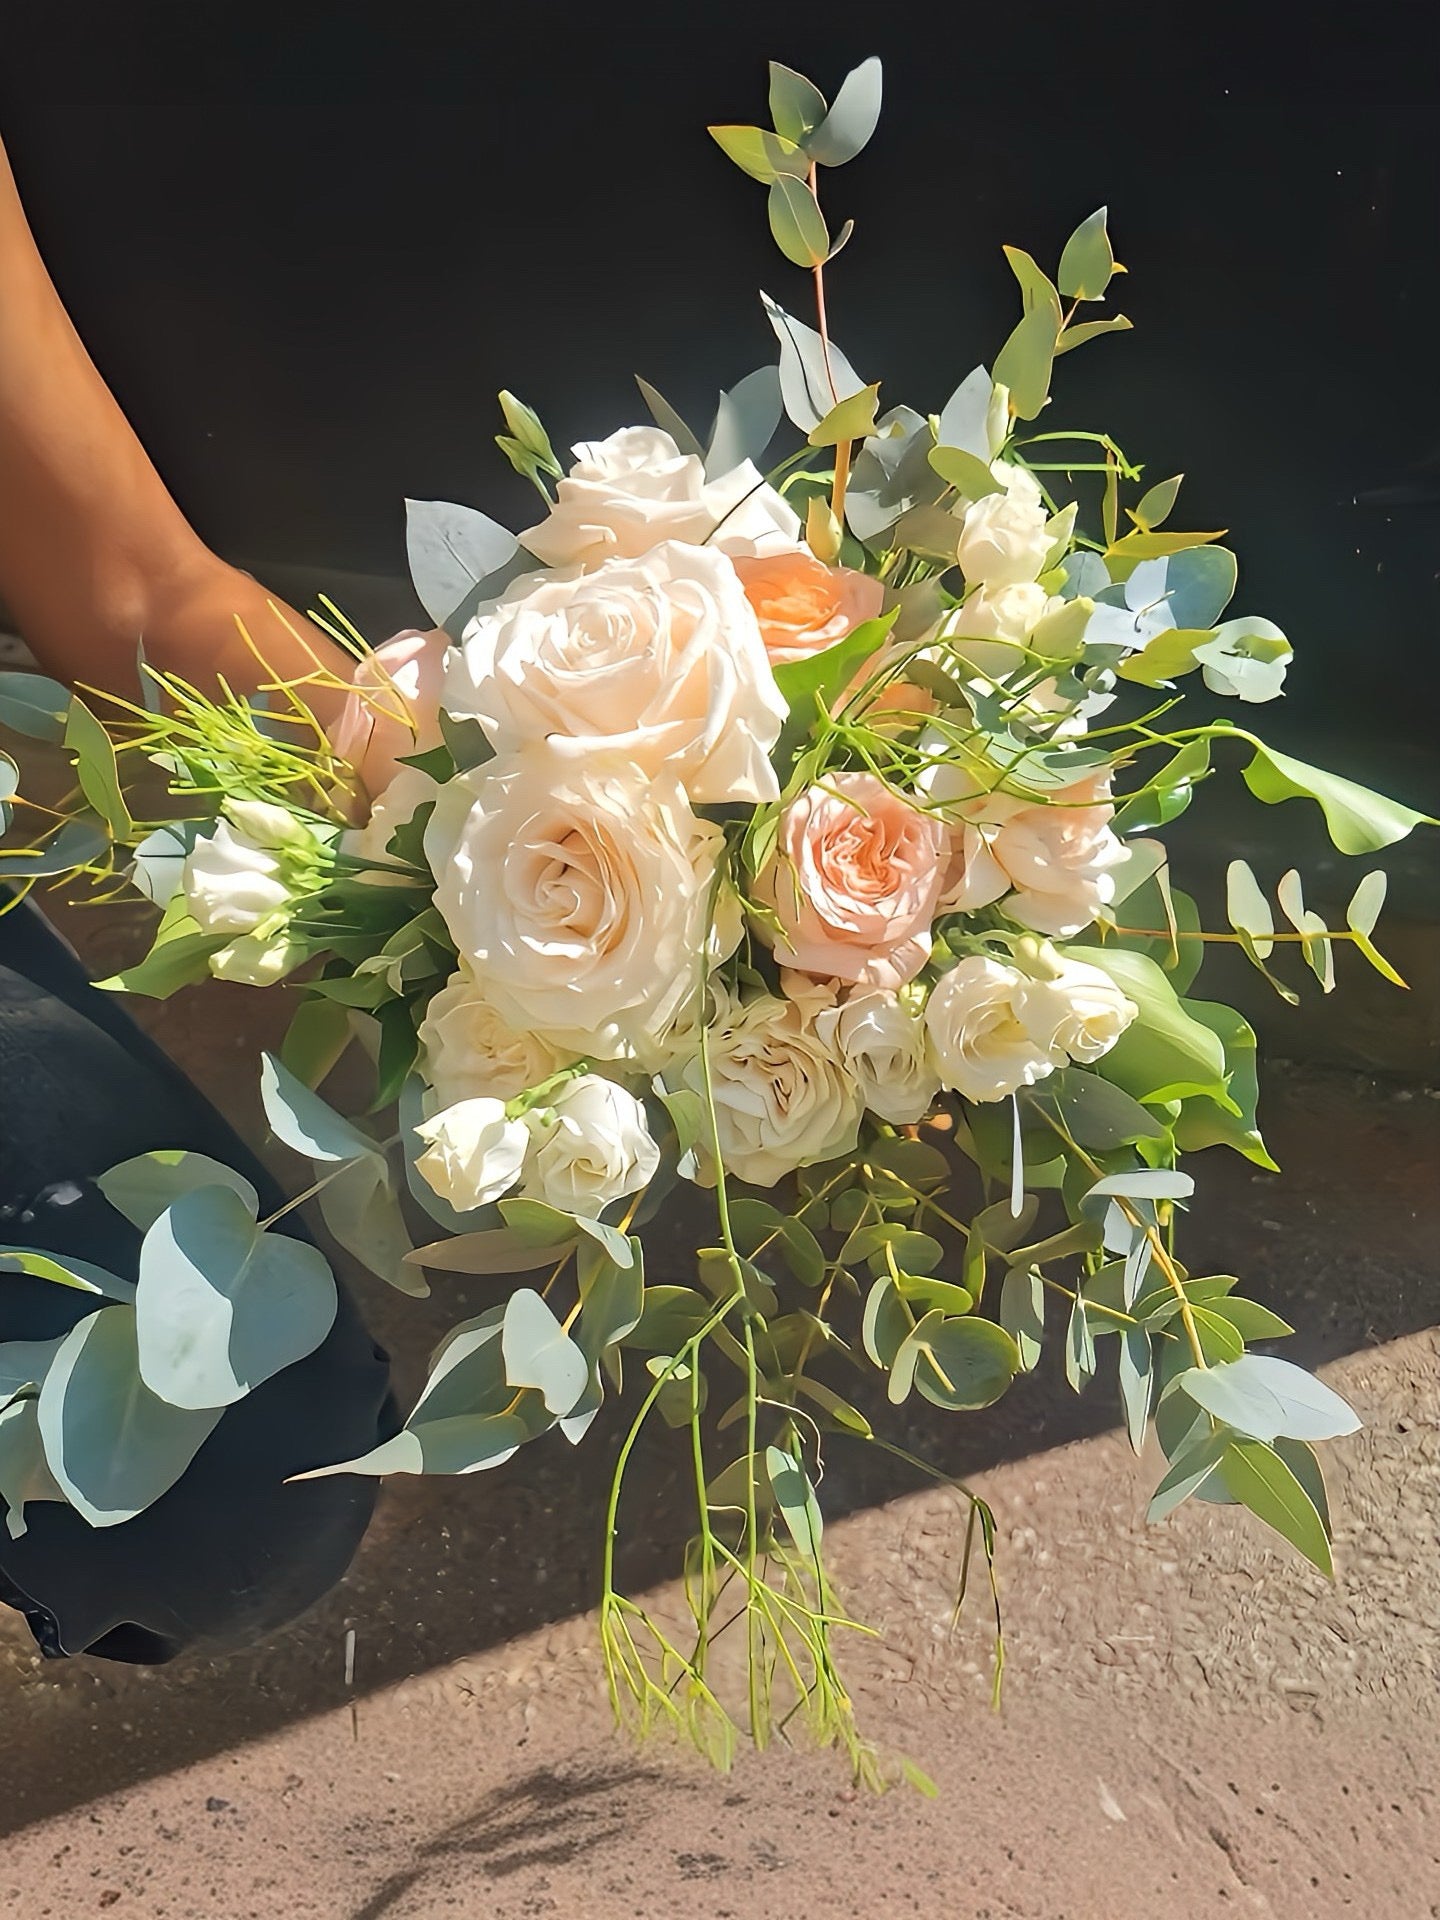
(785, 826)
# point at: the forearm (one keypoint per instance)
(95, 556)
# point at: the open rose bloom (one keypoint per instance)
(776, 821)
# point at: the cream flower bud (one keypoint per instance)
(474, 1153)
(1005, 539)
(589, 1146)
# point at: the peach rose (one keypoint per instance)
(394, 710)
(802, 605)
(854, 881)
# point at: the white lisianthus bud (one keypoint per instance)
(1006, 539)
(1076, 1010)
(979, 1040)
(881, 1037)
(254, 961)
(474, 1154)
(250, 869)
(590, 1145)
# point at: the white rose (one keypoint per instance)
(782, 1096)
(1077, 1010)
(396, 807)
(251, 867)
(992, 626)
(467, 1050)
(1006, 539)
(659, 658)
(626, 494)
(475, 1152)
(882, 1039)
(589, 1146)
(577, 891)
(980, 1043)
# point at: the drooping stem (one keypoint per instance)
(842, 451)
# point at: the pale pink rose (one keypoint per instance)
(854, 881)
(394, 710)
(802, 605)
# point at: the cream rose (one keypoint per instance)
(577, 891)
(853, 882)
(659, 658)
(1075, 1009)
(394, 708)
(1005, 539)
(467, 1050)
(802, 605)
(782, 1096)
(626, 494)
(882, 1039)
(474, 1152)
(590, 1146)
(981, 1044)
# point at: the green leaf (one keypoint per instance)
(1365, 903)
(96, 769)
(1265, 1398)
(671, 1317)
(318, 1034)
(840, 1411)
(797, 105)
(963, 1363)
(1157, 546)
(665, 416)
(75, 844)
(764, 156)
(846, 129)
(9, 787)
(25, 1474)
(796, 222)
(466, 1443)
(1163, 659)
(1022, 1313)
(1076, 335)
(1087, 263)
(1188, 1472)
(913, 1163)
(1203, 1122)
(812, 381)
(965, 471)
(540, 1354)
(1250, 1320)
(886, 1324)
(1166, 1053)
(1358, 820)
(543, 1224)
(113, 1446)
(1024, 363)
(1136, 1374)
(1099, 1115)
(66, 1271)
(851, 419)
(179, 958)
(32, 705)
(492, 1250)
(1247, 908)
(795, 1497)
(452, 550)
(305, 1122)
(745, 422)
(222, 1306)
(1079, 1347)
(1157, 503)
(362, 1212)
(144, 1187)
(1259, 1479)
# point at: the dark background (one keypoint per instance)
(306, 251)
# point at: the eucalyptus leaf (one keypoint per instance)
(540, 1354)
(795, 1499)
(963, 1363)
(25, 1363)
(222, 1305)
(1136, 1375)
(25, 1474)
(96, 768)
(144, 1187)
(811, 381)
(1087, 263)
(745, 422)
(846, 129)
(851, 419)
(113, 1446)
(159, 860)
(306, 1123)
(1266, 1398)
(1022, 1313)
(665, 416)
(797, 105)
(35, 706)
(64, 1270)
(1187, 1473)
(75, 844)
(1259, 1479)
(763, 155)
(796, 222)
(1024, 363)
(452, 550)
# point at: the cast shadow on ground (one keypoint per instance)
(1343, 1247)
